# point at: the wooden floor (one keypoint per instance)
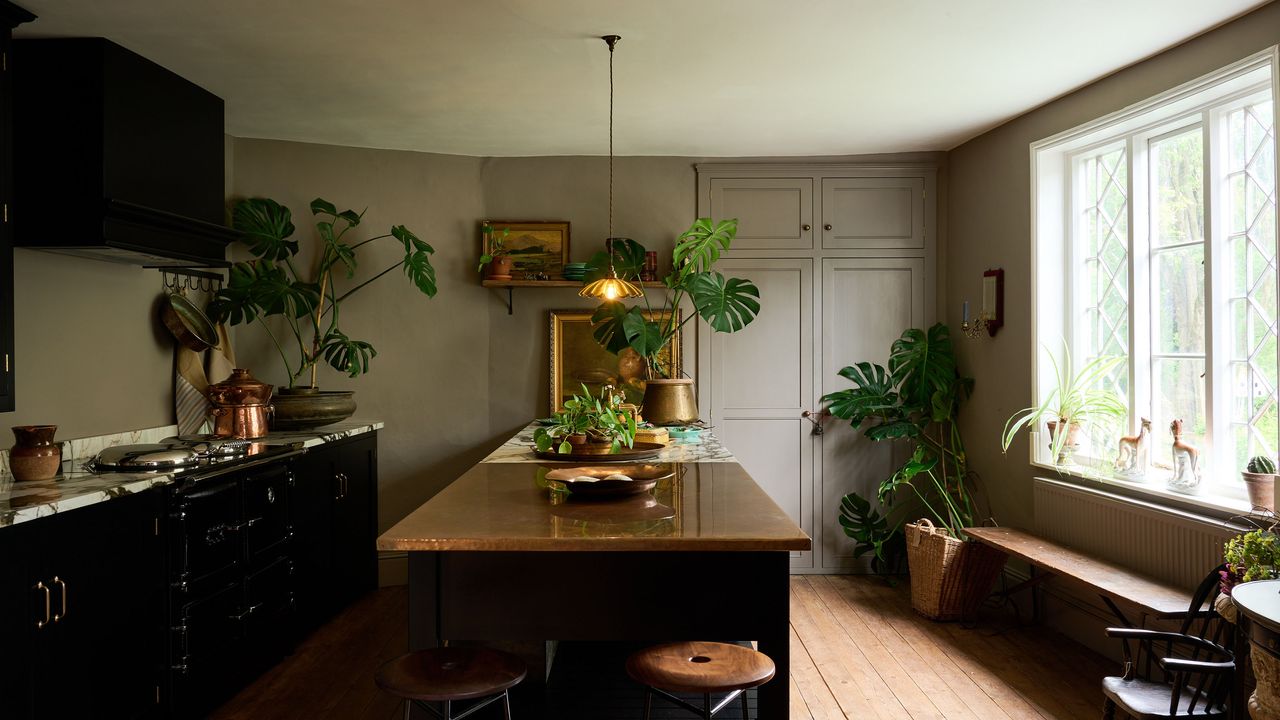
(858, 651)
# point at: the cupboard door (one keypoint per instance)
(866, 304)
(21, 607)
(877, 213)
(10, 17)
(355, 555)
(761, 382)
(313, 492)
(772, 213)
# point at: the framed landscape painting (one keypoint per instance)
(577, 359)
(538, 249)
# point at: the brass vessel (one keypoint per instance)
(670, 402)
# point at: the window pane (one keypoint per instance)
(1177, 189)
(1251, 213)
(1177, 292)
(1179, 395)
(1104, 242)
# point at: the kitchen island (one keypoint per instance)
(502, 556)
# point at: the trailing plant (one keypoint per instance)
(727, 304)
(915, 399)
(585, 414)
(494, 244)
(1076, 399)
(1261, 465)
(271, 285)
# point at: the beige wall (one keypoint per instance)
(429, 382)
(989, 222)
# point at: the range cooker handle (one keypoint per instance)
(245, 615)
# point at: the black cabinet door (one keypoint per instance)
(355, 556)
(103, 564)
(10, 17)
(313, 492)
(21, 607)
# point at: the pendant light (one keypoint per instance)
(611, 287)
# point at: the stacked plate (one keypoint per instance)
(574, 271)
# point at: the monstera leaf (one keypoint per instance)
(869, 529)
(873, 394)
(265, 226)
(347, 355)
(628, 261)
(701, 245)
(417, 260)
(923, 364)
(608, 325)
(262, 288)
(727, 305)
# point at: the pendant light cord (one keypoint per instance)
(611, 44)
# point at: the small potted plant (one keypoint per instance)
(588, 425)
(495, 253)
(1078, 399)
(1250, 556)
(1260, 479)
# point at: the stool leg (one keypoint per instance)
(706, 706)
(746, 712)
(506, 705)
(448, 710)
(648, 701)
(408, 709)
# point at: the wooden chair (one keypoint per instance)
(449, 674)
(699, 667)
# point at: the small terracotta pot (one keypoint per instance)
(1072, 442)
(35, 456)
(500, 268)
(1261, 487)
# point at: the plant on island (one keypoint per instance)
(271, 285)
(593, 419)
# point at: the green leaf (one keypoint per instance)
(346, 355)
(873, 395)
(628, 261)
(893, 431)
(320, 205)
(701, 245)
(261, 288)
(265, 226)
(608, 325)
(417, 260)
(922, 364)
(644, 336)
(351, 216)
(542, 439)
(728, 306)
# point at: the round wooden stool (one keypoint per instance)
(444, 675)
(701, 667)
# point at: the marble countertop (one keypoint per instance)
(696, 507)
(519, 449)
(76, 486)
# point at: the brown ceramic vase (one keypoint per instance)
(34, 455)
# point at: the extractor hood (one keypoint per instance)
(115, 157)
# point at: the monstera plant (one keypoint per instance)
(727, 304)
(915, 399)
(309, 304)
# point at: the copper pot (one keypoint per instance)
(243, 422)
(240, 388)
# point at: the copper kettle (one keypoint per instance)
(241, 406)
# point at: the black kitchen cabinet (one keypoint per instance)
(334, 505)
(81, 607)
(11, 16)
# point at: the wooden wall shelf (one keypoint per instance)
(510, 285)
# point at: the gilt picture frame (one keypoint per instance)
(577, 359)
(539, 249)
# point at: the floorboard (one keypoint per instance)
(857, 651)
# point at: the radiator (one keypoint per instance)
(1169, 545)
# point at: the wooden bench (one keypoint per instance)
(1111, 581)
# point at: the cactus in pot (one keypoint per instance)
(1259, 479)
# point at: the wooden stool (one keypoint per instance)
(443, 675)
(702, 667)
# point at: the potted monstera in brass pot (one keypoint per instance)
(300, 312)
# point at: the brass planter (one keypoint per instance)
(306, 408)
(670, 402)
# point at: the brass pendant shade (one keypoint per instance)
(611, 287)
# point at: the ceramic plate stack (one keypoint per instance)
(574, 271)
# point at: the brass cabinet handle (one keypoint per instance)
(41, 586)
(342, 484)
(62, 585)
(827, 226)
(806, 227)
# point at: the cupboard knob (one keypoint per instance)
(827, 226)
(806, 227)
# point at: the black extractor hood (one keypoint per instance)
(115, 157)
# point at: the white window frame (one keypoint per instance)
(1056, 243)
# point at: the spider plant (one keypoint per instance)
(1078, 398)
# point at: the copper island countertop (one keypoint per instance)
(709, 507)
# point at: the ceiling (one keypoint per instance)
(694, 77)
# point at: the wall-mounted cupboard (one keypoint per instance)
(844, 256)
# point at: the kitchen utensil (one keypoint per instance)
(241, 388)
(641, 451)
(188, 323)
(243, 422)
(146, 456)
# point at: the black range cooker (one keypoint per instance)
(230, 577)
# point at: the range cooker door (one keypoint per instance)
(207, 642)
(205, 531)
(266, 513)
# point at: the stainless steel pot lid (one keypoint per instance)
(211, 446)
(147, 456)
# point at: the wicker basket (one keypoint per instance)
(949, 578)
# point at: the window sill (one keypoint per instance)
(1152, 490)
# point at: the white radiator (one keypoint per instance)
(1170, 545)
